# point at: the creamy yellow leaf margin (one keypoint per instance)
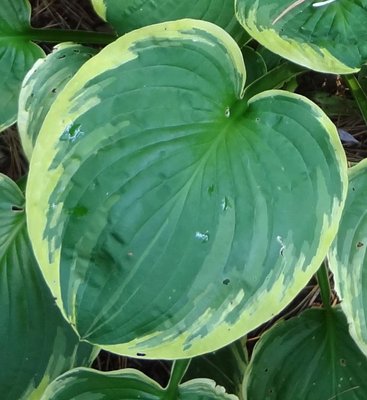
(59, 117)
(301, 53)
(37, 205)
(348, 270)
(100, 8)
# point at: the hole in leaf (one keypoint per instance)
(343, 362)
(140, 354)
(359, 245)
(226, 281)
(17, 208)
(53, 90)
(211, 189)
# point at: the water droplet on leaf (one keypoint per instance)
(202, 236)
(71, 133)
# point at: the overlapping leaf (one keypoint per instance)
(36, 342)
(347, 256)
(128, 15)
(127, 384)
(327, 36)
(225, 366)
(306, 358)
(174, 217)
(41, 86)
(17, 55)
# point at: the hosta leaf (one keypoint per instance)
(36, 343)
(255, 64)
(172, 217)
(225, 366)
(308, 357)
(126, 384)
(128, 15)
(203, 389)
(17, 55)
(347, 256)
(327, 36)
(41, 86)
(362, 78)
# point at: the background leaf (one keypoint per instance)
(128, 15)
(36, 343)
(42, 85)
(182, 210)
(347, 256)
(17, 55)
(126, 384)
(226, 367)
(307, 357)
(255, 64)
(329, 38)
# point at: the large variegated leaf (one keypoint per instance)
(128, 15)
(41, 86)
(327, 36)
(36, 343)
(127, 384)
(17, 55)
(347, 256)
(310, 357)
(173, 217)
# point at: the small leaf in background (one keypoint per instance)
(326, 37)
(271, 59)
(36, 343)
(127, 384)
(309, 357)
(254, 63)
(17, 55)
(362, 78)
(335, 106)
(187, 216)
(225, 366)
(41, 86)
(347, 256)
(128, 15)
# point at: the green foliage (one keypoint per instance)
(179, 197)
(129, 384)
(348, 256)
(308, 357)
(37, 344)
(183, 151)
(41, 86)
(327, 36)
(17, 55)
(129, 15)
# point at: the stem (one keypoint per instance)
(324, 284)
(64, 35)
(178, 371)
(358, 94)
